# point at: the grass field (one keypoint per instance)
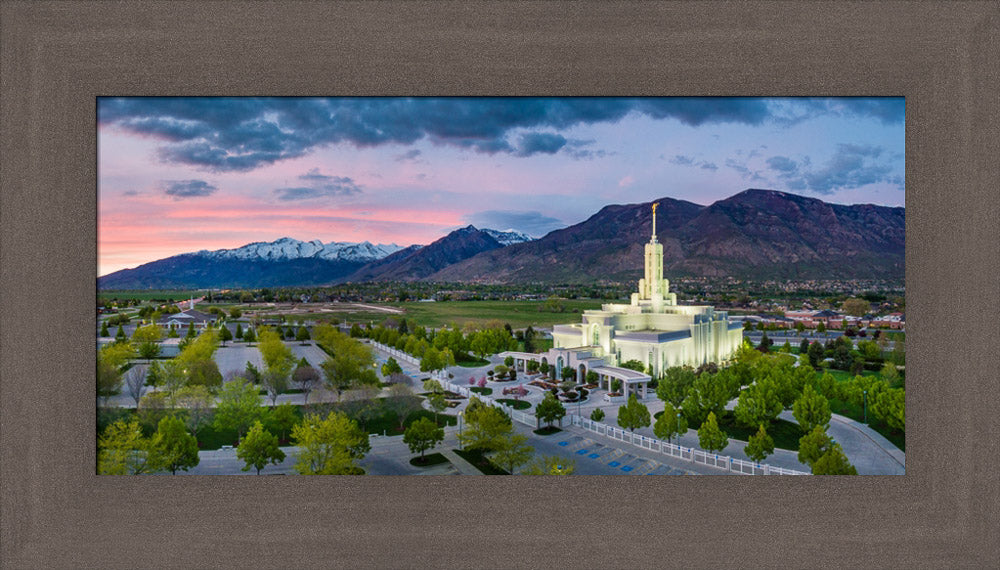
(519, 314)
(843, 375)
(175, 294)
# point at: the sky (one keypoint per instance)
(181, 174)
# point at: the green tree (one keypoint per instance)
(152, 408)
(675, 383)
(173, 446)
(568, 373)
(330, 446)
(249, 336)
(544, 368)
(120, 335)
(821, 327)
(307, 378)
(431, 361)
(104, 329)
(759, 446)
(513, 452)
(889, 405)
(281, 419)
(833, 462)
(804, 346)
(550, 409)
(391, 367)
(197, 403)
(123, 450)
(259, 448)
(485, 428)
(800, 327)
(758, 403)
(154, 375)
(438, 404)
(811, 409)
(190, 331)
(815, 353)
(422, 435)
(670, 423)
(597, 415)
(204, 373)
(710, 437)
(709, 393)
(239, 331)
(634, 414)
(403, 401)
(855, 307)
(239, 406)
(302, 335)
(813, 445)
(225, 335)
(509, 361)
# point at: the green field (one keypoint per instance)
(519, 314)
(176, 294)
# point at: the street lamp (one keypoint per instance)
(460, 415)
(865, 394)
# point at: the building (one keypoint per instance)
(652, 329)
(183, 319)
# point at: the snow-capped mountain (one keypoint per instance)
(508, 236)
(287, 249)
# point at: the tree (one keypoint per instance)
(204, 373)
(568, 373)
(438, 404)
(281, 419)
(239, 331)
(815, 353)
(307, 378)
(710, 437)
(670, 423)
(889, 405)
(275, 382)
(135, 380)
(330, 446)
(532, 367)
(636, 365)
(759, 446)
(675, 383)
(422, 435)
(509, 361)
(821, 327)
(597, 415)
(197, 401)
(249, 336)
(550, 409)
(634, 414)
(513, 452)
(190, 331)
(120, 335)
(403, 401)
(173, 446)
(225, 335)
(486, 427)
(259, 448)
(172, 333)
(811, 410)
(833, 462)
(123, 450)
(104, 329)
(239, 406)
(110, 361)
(813, 445)
(550, 465)
(544, 368)
(361, 404)
(800, 327)
(709, 393)
(758, 403)
(391, 367)
(804, 346)
(154, 375)
(855, 307)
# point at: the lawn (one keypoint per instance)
(519, 314)
(480, 461)
(482, 391)
(428, 460)
(843, 375)
(144, 295)
(857, 413)
(516, 404)
(547, 430)
(785, 434)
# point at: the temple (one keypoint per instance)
(653, 330)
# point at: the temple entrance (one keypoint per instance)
(581, 374)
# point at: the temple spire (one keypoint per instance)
(655, 204)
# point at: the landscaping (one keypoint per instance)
(429, 460)
(516, 404)
(547, 430)
(482, 391)
(480, 461)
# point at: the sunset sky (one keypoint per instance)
(177, 175)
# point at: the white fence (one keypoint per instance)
(730, 464)
(726, 462)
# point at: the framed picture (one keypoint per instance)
(60, 62)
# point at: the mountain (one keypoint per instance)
(426, 261)
(262, 264)
(508, 237)
(757, 233)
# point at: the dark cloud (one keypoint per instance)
(319, 185)
(682, 160)
(887, 110)
(540, 143)
(239, 134)
(850, 167)
(709, 166)
(534, 224)
(187, 188)
(576, 148)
